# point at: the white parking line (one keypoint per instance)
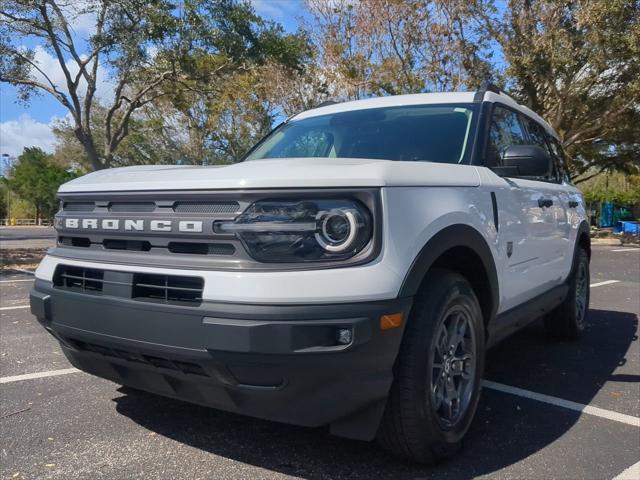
(14, 308)
(631, 473)
(16, 281)
(31, 376)
(559, 402)
(626, 250)
(606, 282)
(22, 270)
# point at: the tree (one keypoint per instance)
(150, 140)
(125, 35)
(35, 177)
(4, 199)
(222, 112)
(390, 47)
(158, 58)
(577, 63)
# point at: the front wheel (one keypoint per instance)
(568, 320)
(438, 372)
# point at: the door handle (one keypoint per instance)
(573, 204)
(545, 202)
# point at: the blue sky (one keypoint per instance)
(30, 125)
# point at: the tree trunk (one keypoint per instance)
(89, 148)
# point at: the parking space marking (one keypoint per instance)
(626, 250)
(631, 473)
(31, 376)
(606, 282)
(22, 270)
(14, 308)
(16, 281)
(559, 402)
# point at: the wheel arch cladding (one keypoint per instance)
(460, 248)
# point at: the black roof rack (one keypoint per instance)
(326, 103)
(485, 87)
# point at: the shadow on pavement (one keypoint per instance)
(502, 434)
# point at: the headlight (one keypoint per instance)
(284, 231)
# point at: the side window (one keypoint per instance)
(505, 130)
(538, 136)
(560, 158)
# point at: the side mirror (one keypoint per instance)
(525, 161)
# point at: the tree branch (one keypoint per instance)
(56, 47)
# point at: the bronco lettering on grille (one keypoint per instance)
(130, 224)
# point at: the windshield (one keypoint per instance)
(423, 133)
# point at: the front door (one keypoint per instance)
(529, 212)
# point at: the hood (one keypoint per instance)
(277, 173)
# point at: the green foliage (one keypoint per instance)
(577, 64)
(4, 199)
(618, 188)
(35, 178)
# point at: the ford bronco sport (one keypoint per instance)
(350, 272)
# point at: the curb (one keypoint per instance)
(611, 242)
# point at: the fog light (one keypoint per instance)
(344, 336)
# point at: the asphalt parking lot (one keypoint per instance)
(27, 237)
(549, 410)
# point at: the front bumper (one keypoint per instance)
(277, 362)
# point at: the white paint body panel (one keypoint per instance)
(543, 240)
(280, 173)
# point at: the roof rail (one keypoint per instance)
(326, 103)
(485, 87)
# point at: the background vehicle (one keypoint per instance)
(351, 272)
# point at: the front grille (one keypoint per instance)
(82, 242)
(132, 245)
(184, 248)
(173, 229)
(158, 362)
(217, 207)
(79, 279)
(167, 288)
(132, 207)
(78, 206)
(206, 207)
(146, 287)
(193, 248)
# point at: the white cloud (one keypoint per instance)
(15, 135)
(52, 69)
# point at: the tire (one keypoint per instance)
(568, 320)
(413, 426)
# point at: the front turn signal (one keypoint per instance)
(392, 320)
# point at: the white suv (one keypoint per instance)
(350, 272)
